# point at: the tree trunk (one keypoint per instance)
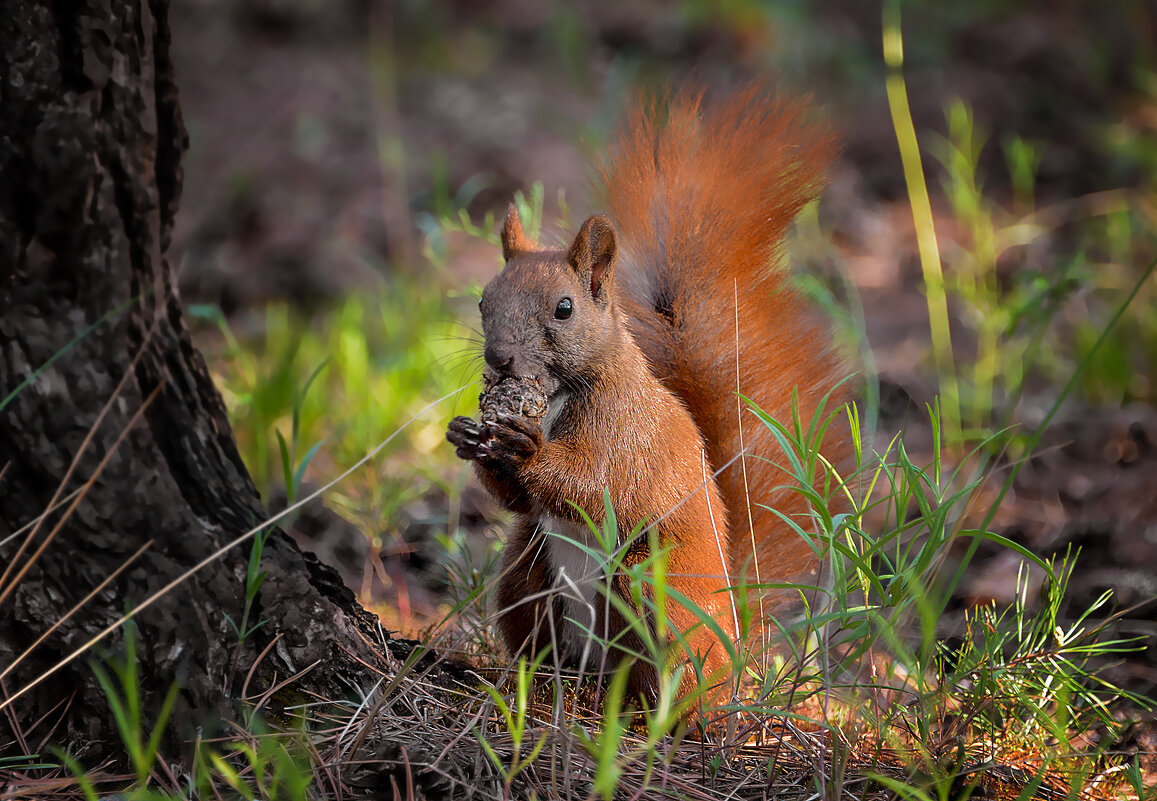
(91, 140)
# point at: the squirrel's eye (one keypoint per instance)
(563, 309)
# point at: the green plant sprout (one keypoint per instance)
(254, 578)
(122, 688)
(269, 770)
(515, 719)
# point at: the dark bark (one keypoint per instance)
(91, 140)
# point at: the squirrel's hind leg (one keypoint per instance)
(524, 590)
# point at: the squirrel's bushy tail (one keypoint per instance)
(703, 192)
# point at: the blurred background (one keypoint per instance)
(348, 158)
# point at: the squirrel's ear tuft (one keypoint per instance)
(513, 240)
(594, 251)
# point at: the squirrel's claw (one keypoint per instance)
(468, 438)
(460, 428)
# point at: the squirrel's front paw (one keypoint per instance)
(468, 437)
(509, 440)
(513, 439)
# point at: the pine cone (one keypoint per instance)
(520, 397)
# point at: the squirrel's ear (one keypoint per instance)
(513, 240)
(595, 250)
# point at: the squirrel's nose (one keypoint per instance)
(500, 361)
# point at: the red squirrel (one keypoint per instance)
(632, 333)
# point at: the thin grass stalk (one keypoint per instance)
(926, 241)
